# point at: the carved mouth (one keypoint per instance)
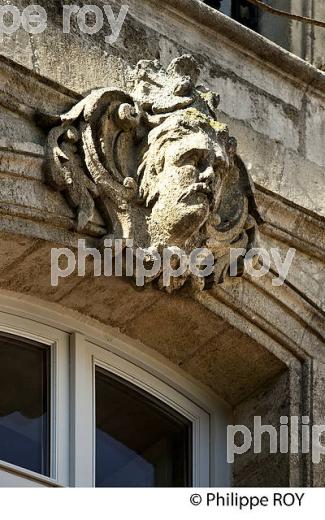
(198, 187)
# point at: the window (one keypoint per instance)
(245, 13)
(213, 3)
(139, 441)
(81, 407)
(240, 10)
(34, 400)
(139, 422)
(25, 404)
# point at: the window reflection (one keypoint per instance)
(140, 442)
(24, 404)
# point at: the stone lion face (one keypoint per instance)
(184, 183)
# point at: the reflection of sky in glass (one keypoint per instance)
(119, 466)
(226, 7)
(21, 440)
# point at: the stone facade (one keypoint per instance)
(305, 40)
(258, 346)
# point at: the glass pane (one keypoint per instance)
(24, 403)
(140, 442)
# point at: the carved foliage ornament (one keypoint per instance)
(157, 165)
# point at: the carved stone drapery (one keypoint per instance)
(157, 164)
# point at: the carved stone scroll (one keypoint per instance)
(157, 164)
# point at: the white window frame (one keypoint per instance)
(58, 342)
(77, 345)
(88, 356)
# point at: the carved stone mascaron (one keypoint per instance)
(157, 165)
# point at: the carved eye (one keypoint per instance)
(197, 158)
(188, 158)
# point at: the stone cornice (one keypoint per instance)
(27, 75)
(291, 223)
(250, 42)
(29, 208)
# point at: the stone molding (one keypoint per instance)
(234, 339)
(199, 13)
